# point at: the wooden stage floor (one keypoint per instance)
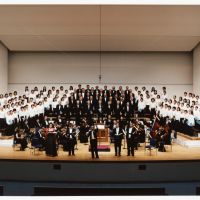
(82, 154)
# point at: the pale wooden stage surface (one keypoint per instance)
(82, 154)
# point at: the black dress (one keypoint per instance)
(83, 137)
(51, 149)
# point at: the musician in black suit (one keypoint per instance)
(130, 139)
(60, 121)
(40, 137)
(118, 134)
(19, 139)
(71, 139)
(38, 124)
(122, 122)
(160, 136)
(92, 134)
(45, 122)
(26, 129)
(109, 122)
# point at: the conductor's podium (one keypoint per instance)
(103, 138)
(103, 134)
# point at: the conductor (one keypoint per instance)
(92, 134)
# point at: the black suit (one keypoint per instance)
(117, 111)
(127, 95)
(113, 93)
(89, 109)
(127, 112)
(81, 104)
(19, 140)
(78, 112)
(109, 109)
(68, 111)
(100, 110)
(60, 121)
(45, 123)
(72, 102)
(96, 91)
(92, 134)
(71, 140)
(119, 93)
(77, 92)
(87, 91)
(130, 141)
(106, 93)
(105, 101)
(118, 135)
(132, 106)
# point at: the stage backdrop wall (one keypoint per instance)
(126, 68)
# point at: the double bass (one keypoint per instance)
(155, 127)
(167, 135)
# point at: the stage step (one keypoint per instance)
(186, 142)
(6, 142)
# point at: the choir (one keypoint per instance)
(117, 108)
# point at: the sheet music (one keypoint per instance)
(101, 126)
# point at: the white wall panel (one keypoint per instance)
(150, 69)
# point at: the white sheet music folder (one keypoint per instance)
(101, 126)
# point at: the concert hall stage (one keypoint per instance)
(82, 154)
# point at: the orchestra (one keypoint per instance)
(61, 117)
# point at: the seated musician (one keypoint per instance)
(41, 139)
(141, 132)
(160, 139)
(20, 139)
(63, 139)
(45, 122)
(26, 130)
(60, 121)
